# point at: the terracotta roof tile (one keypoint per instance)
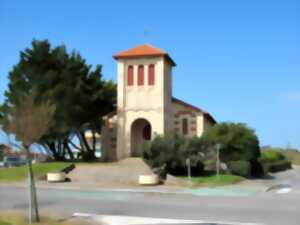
(206, 114)
(145, 50)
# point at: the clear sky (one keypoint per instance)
(239, 59)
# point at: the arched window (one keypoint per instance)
(141, 75)
(185, 126)
(151, 75)
(130, 76)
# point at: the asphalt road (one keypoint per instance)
(288, 178)
(263, 208)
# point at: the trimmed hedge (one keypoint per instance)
(240, 168)
(274, 161)
(271, 156)
(278, 166)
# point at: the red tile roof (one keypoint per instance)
(206, 114)
(145, 50)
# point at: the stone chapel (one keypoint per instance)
(145, 105)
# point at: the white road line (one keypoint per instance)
(131, 220)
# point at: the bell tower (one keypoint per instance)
(144, 106)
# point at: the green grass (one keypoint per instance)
(16, 174)
(213, 180)
(4, 223)
(292, 155)
(18, 218)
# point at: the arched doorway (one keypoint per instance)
(140, 133)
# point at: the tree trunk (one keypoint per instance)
(67, 147)
(94, 140)
(54, 150)
(89, 154)
(84, 141)
(33, 204)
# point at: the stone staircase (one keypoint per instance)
(112, 174)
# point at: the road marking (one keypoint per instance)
(132, 220)
(280, 189)
(284, 190)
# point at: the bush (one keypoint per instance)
(274, 161)
(238, 142)
(257, 169)
(271, 156)
(240, 168)
(278, 166)
(170, 153)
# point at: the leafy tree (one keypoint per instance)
(29, 120)
(78, 91)
(238, 142)
(170, 152)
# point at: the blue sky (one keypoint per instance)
(239, 60)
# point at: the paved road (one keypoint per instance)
(263, 208)
(289, 178)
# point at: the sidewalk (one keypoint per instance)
(133, 220)
(244, 188)
(225, 191)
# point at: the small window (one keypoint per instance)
(141, 75)
(130, 76)
(185, 126)
(151, 75)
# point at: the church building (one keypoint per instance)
(145, 105)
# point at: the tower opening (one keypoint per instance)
(140, 133)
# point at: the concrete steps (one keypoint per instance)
(124, 172)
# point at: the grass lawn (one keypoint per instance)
(213, 180)
(16, 174)
(19, 218)
(4, 223)
(292, 155)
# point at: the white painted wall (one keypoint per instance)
(152, 103)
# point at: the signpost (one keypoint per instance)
(218, 147)
(188, 165)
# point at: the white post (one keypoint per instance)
(188, 165)
(218, 146)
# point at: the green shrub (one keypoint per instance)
(170, 153)
(238, 142)
(271, 156)
(278, 166)
(257, 169)
(274, 161)
(240, 168)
